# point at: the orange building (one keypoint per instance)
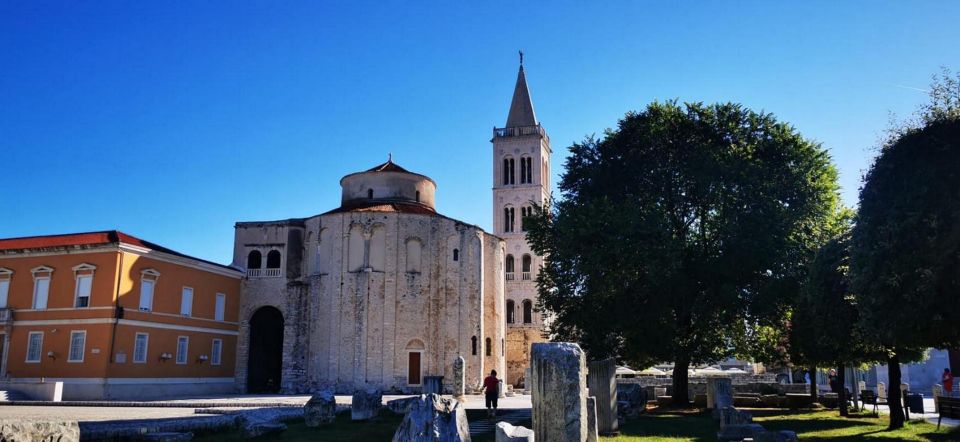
(115, 317)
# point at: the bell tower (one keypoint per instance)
(521, 172)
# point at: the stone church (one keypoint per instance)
(385, 291)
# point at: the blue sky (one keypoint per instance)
(173, 120)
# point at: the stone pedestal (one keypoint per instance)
(321, 409)
(592, 419)
(459, 378)
(366, 404)
(602, 382)
(559, 392)
(719, 393)
(501, 392)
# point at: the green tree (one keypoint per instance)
(906, 241)
(677, 228)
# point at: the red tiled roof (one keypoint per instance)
(387, 207)
(89, 239)
(389, 166)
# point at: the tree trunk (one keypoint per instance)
(842, 391)
(813, 384)
(680, 385)
(893, 392)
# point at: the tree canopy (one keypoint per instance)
(678, 227)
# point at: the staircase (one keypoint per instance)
(11, 395)
(514, 417)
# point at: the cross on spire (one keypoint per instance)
(521, 57)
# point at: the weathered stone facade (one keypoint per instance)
(381, 291)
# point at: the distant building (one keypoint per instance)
(381, 291)
(115, 317)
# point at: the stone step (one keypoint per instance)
(513, 417)
(12, 395)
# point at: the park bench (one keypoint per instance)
(868, 397)
(949, 407)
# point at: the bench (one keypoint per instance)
(868, 397)
(949, 407)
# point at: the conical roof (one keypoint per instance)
(521, 108)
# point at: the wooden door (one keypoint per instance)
(413, 368)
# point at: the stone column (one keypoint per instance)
(602, 382)
(459, 379)
(559, 392)
(937, 392)
(501, 392)
(592, 419)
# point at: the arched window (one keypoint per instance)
(456, 254)
(370, 194)
(527, 311)
(527, 261)
(508, 171)
(526, 170)
(473, 345)
(489, 350)
(509, 267)
(273, 259)
(413, 255)
(254, 260)
(508, 219)
(418, 196)
(511, 308)
(525, 212)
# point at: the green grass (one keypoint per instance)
(809, 425)
(654, 427)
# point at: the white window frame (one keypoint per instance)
(216, 351)
(146, 347)
(83, 346)
(186, 308)
(39, 349)
(220, 307)
(49, 278)
(186, 350)
(6, 277)
(152, 276)
(76, 291)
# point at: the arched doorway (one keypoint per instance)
(265, 356)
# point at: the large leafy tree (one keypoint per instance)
(906, 242)
(678, 227)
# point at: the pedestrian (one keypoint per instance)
(947, 382)
(834, 381)
(491, 387)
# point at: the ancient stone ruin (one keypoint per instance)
(559, 392)
(366, 404)
(431, 418)
(506, 432)
(601, 380)
(321, 409)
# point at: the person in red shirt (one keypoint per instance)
(947, 382)
(491, 388)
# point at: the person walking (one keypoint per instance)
(491, 390)
(947, 382)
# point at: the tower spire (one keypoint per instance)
(521, 108)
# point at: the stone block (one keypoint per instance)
(434, 419)
(321, 409)
(55, 431)
(509, 433)
(592, 419)
(719, 392)
(261, 428)
(402, 405)
(262, 421)
(433, 384)
(559, 392)
(366, 404)
(739, 432)
(730, 416)
(799, 400)
(602, 383)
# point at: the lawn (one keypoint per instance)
(809, 425)
(654, 427)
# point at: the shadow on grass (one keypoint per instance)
(696, 427)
